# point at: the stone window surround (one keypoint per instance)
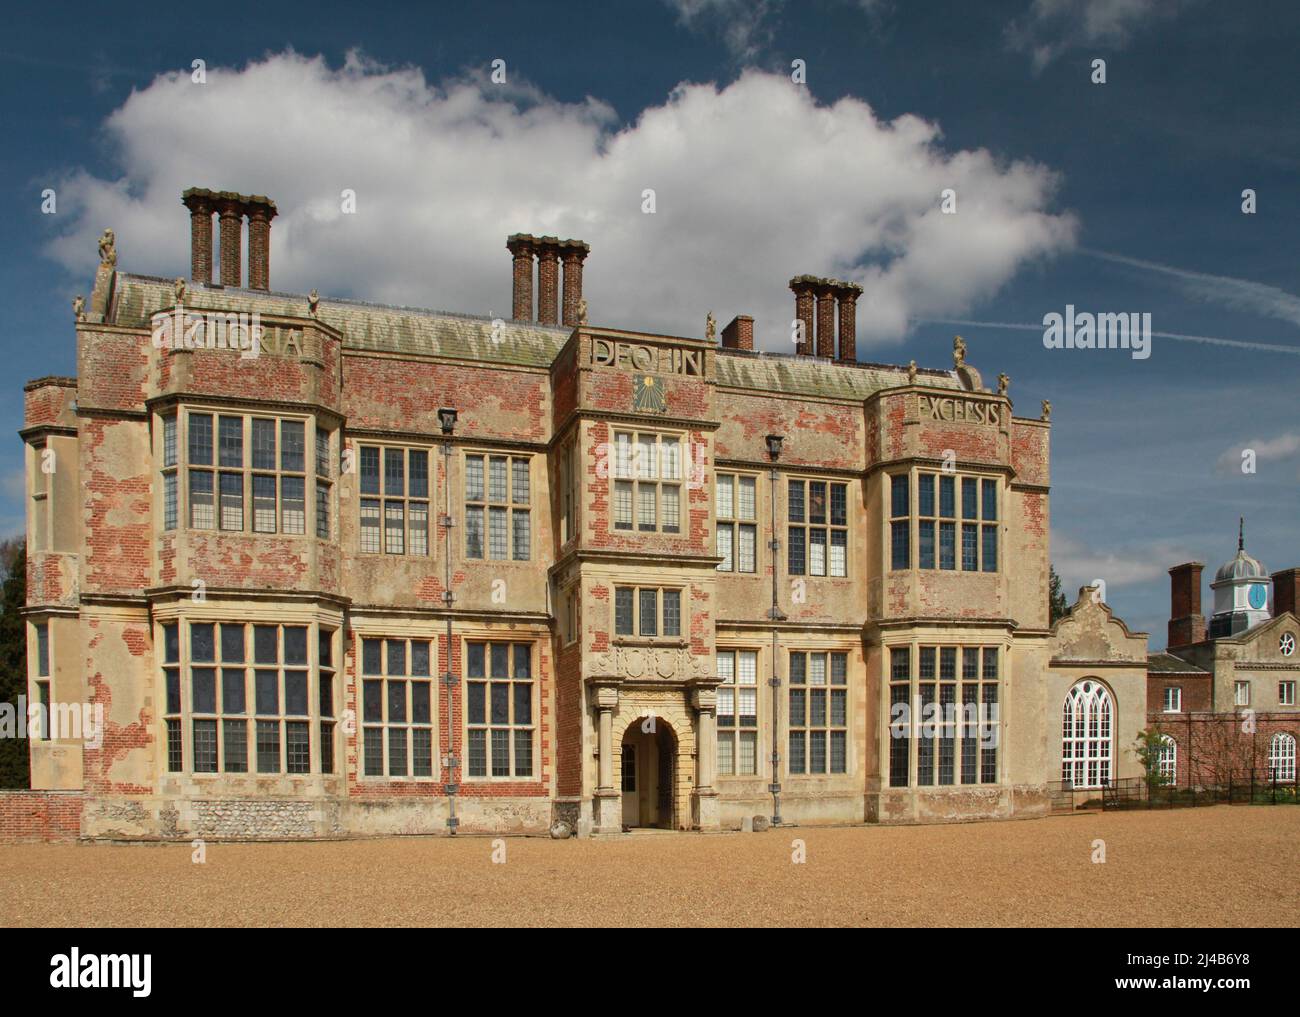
(180, 411)
(41, 672)
(658, 482)
(735, 521)
(39, 486)
(735, 729)
(913, 644)
(429, 499)
(785, 480)
(487, 503)
(913, 518)
(534, 727)
(788, 685)
(383, 676)
(314, 621)
(635, 638)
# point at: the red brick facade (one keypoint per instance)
(40, 815)
(196, 506)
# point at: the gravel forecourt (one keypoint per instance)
(1220, 866)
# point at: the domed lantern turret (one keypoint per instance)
(1240, 592)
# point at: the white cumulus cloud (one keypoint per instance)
(754, 182)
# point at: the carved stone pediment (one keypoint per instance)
(640, 662)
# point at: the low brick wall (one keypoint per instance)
(40, 815)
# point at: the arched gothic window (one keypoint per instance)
(1086, 735)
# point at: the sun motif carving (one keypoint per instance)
(649, 396)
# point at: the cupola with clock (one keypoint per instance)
(1240, 592)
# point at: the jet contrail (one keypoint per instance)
(1241, 294)
(1180, 336)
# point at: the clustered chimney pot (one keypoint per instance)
(827, 293)
(231, 208)
(549, 252)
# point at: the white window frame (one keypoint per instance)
(1282, 757)
(1177, 704)
(1241, 692)
(1088, 735)
(735, 525)
(1167, 760)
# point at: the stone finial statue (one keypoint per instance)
(911, 372)
(582, 311)
(313, 300)
(179, 287)
(1003, 381)
(711, 327)
(78, 307)
(1047, 409)
(958, 351)
(108, 249)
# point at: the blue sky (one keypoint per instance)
(1122, 196)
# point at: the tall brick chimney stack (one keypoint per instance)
(803, 287)
(572, 253)
(548, 281)
(1186, 623)
(847, 294)
(199, 202)
(230, 210)
(261, 210)
(739, 335)
(522, 246)
(1286, 591)
(549, 251)
(826, 290)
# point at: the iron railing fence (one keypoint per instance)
(1242, 787)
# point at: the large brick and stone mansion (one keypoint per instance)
(332, 568)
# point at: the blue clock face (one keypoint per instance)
(1258, 596)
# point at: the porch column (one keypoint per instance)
(704, 801)
(708, 750)
(606, 763)
(607, 802)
